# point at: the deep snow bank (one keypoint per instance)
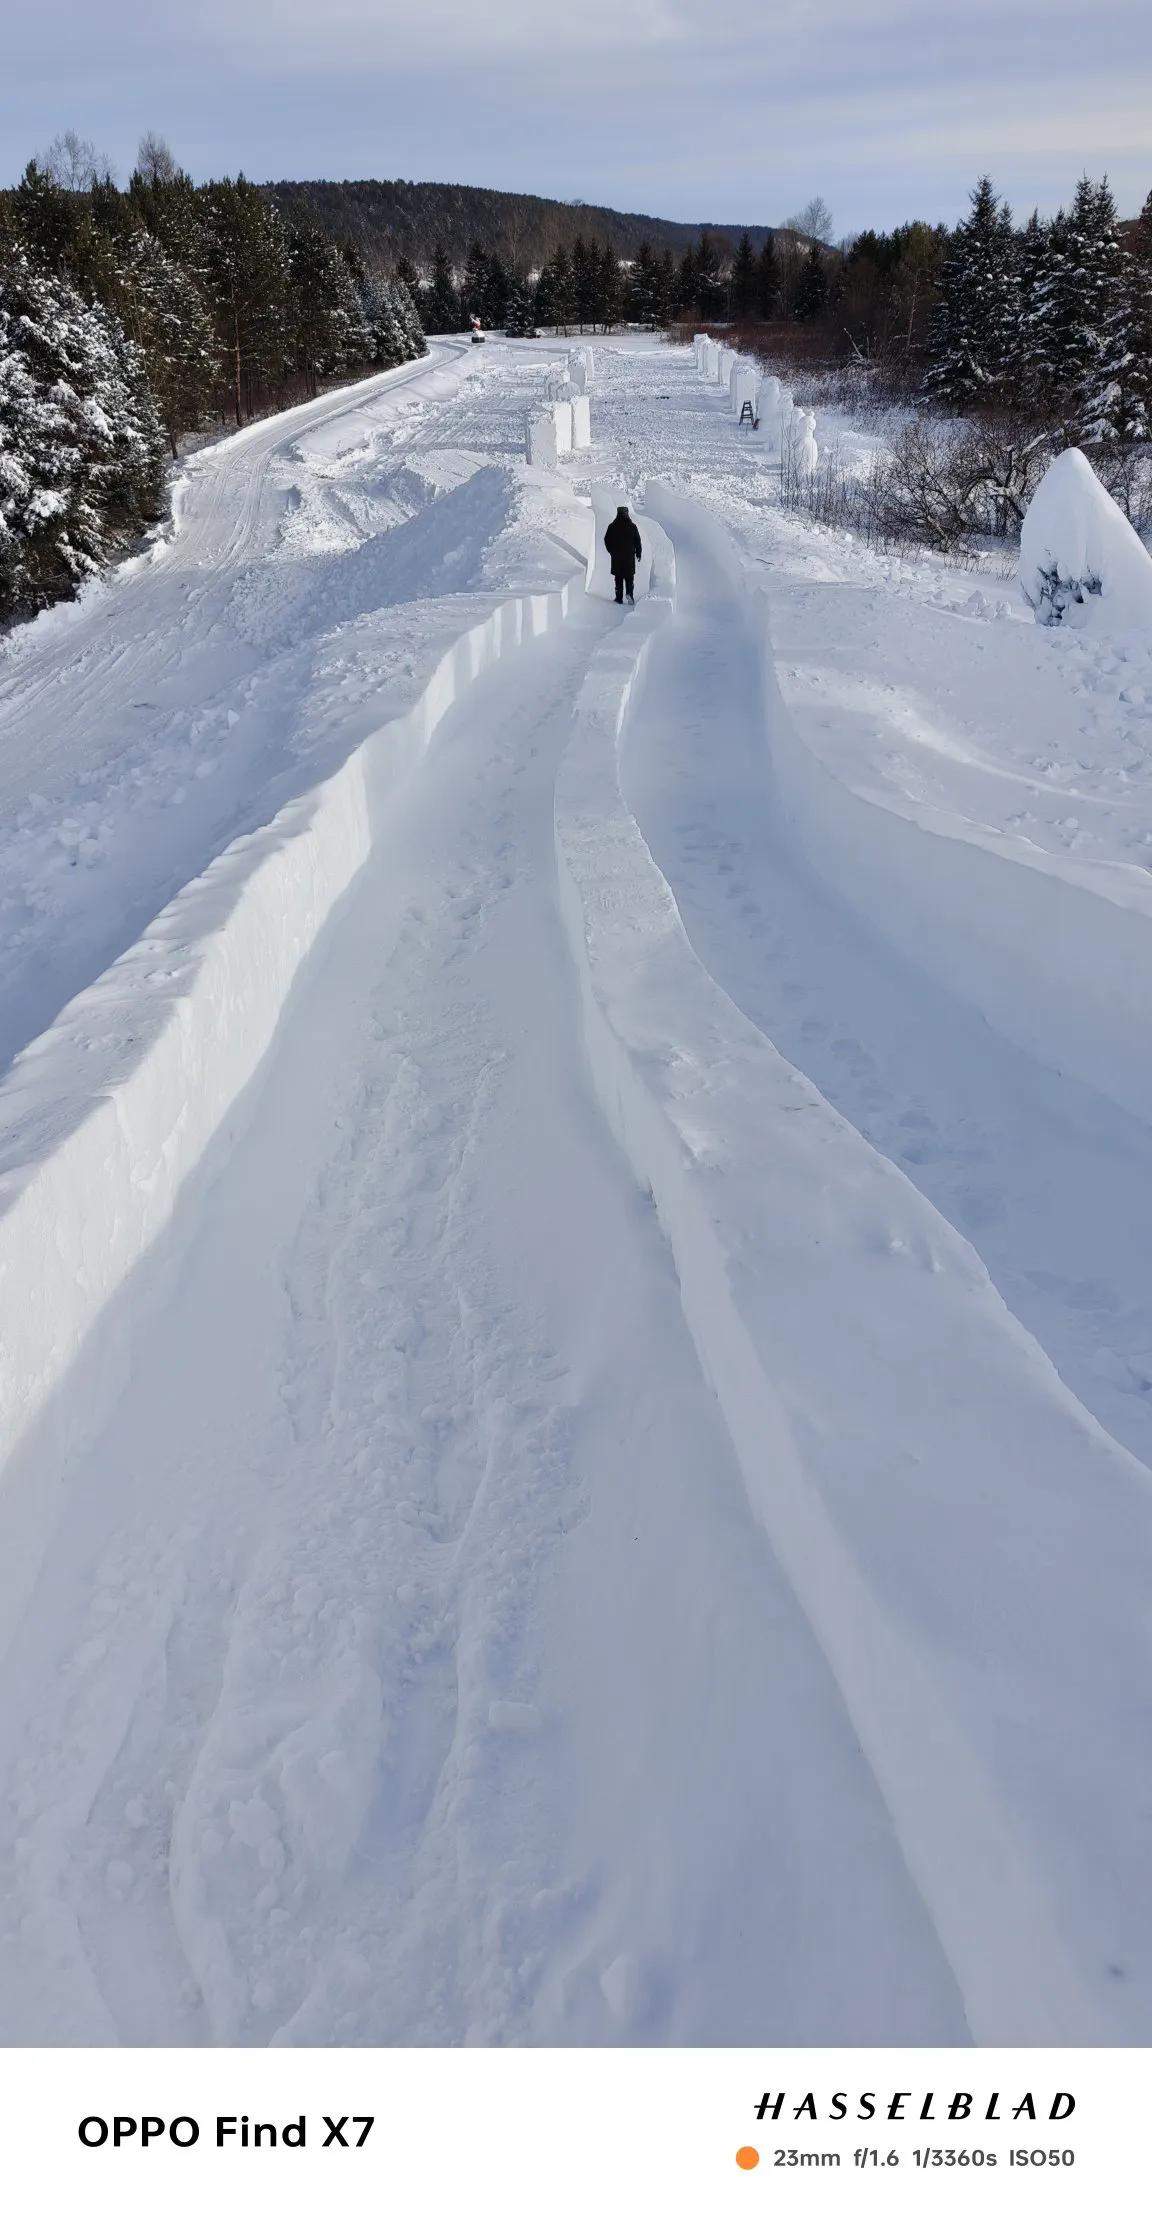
(105, 1116)
(1054, 951)
(815, 1278)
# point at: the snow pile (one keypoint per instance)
(1081, 562)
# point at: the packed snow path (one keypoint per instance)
(412, 1593)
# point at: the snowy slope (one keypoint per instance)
(607, 1500)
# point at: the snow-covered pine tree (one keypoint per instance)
(519, 316)
(1076, 318)
(442, 302)
(973, 331)
(475, 288)
(409, 276)
(1102, 394)
(388, 341)
(408, 312)
(495, 292)
(1140, 297)
(161, 308)
(326, 326)
(641, 287)
(81, 445)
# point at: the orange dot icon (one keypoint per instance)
(747, 2157)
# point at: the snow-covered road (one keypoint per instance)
(471, 1586)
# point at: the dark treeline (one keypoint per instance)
(130, 319)
(388, 218)
(587, 287)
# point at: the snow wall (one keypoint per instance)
(104, 1118)
(788, 1231)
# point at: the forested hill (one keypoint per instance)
(388, 217)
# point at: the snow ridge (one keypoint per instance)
(104, 1117)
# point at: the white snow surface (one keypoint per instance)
(1081, 562)
(577, 1338)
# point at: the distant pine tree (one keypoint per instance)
(743, 287)
(495, 293)
(474, 289)
(441, 307)
(664, 296)
(609, 301)
(812, 290)
(709, 279)
(519, 312)
(642, 302)
(563, 286)
(585, 283)
(767, 282)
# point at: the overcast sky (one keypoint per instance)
(706, 110)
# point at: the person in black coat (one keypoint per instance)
(622, 540)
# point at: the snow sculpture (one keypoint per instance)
(1081, 562)
(768, 400)
(744, 389)
(577, 373)
(581, 422)
(562, 417)
(798, 441)
(542, 440)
